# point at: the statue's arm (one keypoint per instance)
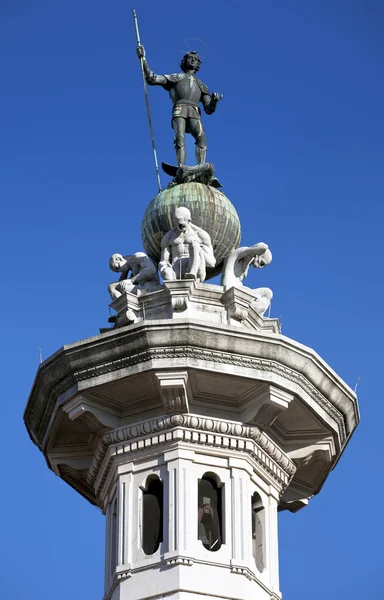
(124, 273)
(208, 253)
(210, 102)
(147, 271)
(206, 245)
(165, 249)
(150, 77)
(251, 251)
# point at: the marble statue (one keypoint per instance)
(143, 272)
(186, 91)
(236, 267)
(186, 250)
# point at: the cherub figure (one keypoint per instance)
(186, 249)
(236, 267)
(144, 274)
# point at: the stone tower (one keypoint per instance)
(193, 420)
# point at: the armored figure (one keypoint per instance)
(185, 91)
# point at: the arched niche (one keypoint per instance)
(152, 514)
(210, 512)
(258, 531)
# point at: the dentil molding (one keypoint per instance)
(192, 429)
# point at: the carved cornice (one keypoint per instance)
(118, 578)
(126, 572)
(180, 560)
(192, 429)
(249, 574)
(211, 356)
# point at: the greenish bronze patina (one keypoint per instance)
(210, 209)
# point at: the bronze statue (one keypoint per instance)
(185, 91)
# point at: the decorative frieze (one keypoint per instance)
(179, 560)
(195, 430)
(211, 356)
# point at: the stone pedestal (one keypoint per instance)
(196, 388)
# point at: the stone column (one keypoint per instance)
(240, 514)
(272, 549)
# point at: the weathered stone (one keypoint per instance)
(143, 272)
(236, 267)
(186, 250)
(210, 209)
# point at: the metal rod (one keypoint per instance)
(147, 103)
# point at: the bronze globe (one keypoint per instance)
(210, 209)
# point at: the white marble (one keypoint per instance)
(143, 272)
(236, 267)
(198, 385)
(186, 249)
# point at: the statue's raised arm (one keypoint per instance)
(150, 77)
(185, 91)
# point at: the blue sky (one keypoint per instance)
(298, 144)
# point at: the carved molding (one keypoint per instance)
(249, 574)
(239, 313)
(211, 356)
(237, 303)
(118, 578)
(294, 506)
(127, 318)
(323, 449)
(173, 390)
(320, 454)
(266, 405)
(243, 571)
(80, 406)
(126, 573)
(179, 303)
(195, 430)
(179, 294)
(180, 560)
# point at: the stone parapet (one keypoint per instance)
(189, 299)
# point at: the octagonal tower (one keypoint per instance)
(192, 421)
(190, 429)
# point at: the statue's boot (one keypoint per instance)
(181, 156)
(200, 154)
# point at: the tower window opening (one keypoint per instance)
(258, 518)
(209, 516)
(152, 515)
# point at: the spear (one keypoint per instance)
(147, 102)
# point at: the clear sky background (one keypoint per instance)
(298, 144)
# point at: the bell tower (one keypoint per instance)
(192, 421)
(190, 431)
